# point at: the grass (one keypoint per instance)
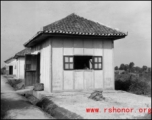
(17, 84)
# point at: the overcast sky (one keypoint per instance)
(21, 20)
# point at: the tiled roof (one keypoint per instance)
(74, 24)
(23, 52)
(8, 60)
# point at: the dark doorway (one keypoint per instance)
(38, 68)
(10, 70)
(32, 69)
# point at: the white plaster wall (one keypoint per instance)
(14, 67)
(108, 65)
(20, 67)
(57, 64)
(45, 67)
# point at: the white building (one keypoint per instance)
(72, 54)
(11, 67)
(20, 63)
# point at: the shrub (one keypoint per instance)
(17, 84)
(122, 82)
(138, 84)
(140, 87)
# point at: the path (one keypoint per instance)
(79, 103)
(14, 106)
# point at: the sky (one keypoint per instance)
(21, 20)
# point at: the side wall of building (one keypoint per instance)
(21, 67)
(69, 80)
(45, 65)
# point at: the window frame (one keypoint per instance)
(93, 62)
(97, 63)
(64, 63)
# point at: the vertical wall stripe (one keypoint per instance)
(113, 64)
(62, 66)
(51, 65)
(93, 47)
(73, 71)
(103, 63)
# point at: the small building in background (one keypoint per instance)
(72, 54)
(20, 62)
(11, 66)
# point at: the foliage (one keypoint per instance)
(126, 68)
(17, 84)
(144, 68)
(116, 68)
(134, 83)
(3, 71)
(132, 68)
(122, 67)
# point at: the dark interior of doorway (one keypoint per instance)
(38, 68)
(10, 70)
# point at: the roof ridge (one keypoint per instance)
(72, 14)
(9, 59)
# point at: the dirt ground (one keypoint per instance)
(14, 106)
(78, 103)
(17, 107)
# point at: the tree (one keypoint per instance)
(122, 67)
(116, 68)
(137, 69)
(3, 71)
(144, 68)
(126, 67)
(149, 70)
(131, 65)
